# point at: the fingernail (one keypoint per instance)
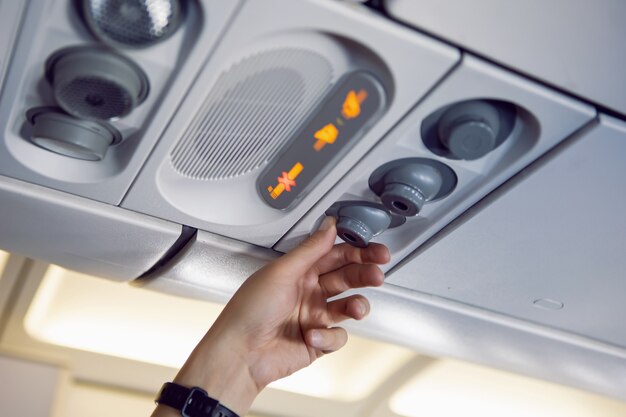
(362, 308)
(327, 223)
(316, 338)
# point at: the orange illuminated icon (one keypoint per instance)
(286, 181)
(326, 135)
(352, 104)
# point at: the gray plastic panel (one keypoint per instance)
(441, 327)
(171, 67)
(80, 234)
(544, 118)
(346, 38)
(10, 19)
(548, 249)
(572, 44)
(210, 267)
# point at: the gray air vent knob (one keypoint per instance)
(359, 221)
(405, 185)
(132, 23)
(95, 83)
(470, 129)
(63, 134)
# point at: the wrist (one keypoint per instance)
(222, 371)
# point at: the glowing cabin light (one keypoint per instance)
(111, 318)
(451, 388)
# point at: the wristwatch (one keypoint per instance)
(192, 402)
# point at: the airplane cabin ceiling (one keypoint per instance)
(186, 164)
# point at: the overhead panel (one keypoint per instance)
(90, 88)
(11, 16)
(571, 44)
(294, 95)
(442, 327)
(548, 249)
(80, 234)
(209, 267)
(477, 128)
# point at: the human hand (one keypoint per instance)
(280, 321)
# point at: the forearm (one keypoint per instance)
(216, 366)
(280, 320)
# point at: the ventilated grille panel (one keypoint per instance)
(254, 108)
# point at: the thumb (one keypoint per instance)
(303, 257)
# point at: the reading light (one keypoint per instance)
(132, 23)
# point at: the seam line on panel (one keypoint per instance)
(186, 235)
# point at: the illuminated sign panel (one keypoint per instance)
(353, 105)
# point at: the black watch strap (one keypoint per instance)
(191, 402)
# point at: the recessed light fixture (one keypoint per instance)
(111, 318)
(4, 258)
(450, 388)
(132, 23)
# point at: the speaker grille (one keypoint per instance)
(254, 108)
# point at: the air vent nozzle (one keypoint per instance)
(95, 83)
(359, 221)
(66, 135)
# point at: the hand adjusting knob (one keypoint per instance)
(359, 221)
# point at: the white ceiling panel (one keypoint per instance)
(567, 43)
(549, 249)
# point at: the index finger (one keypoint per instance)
(344, 254)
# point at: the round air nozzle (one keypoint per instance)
(132, 23)
(63, 134)
(359, 221)
(470, 129)
(95, 83)
(405, 185)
